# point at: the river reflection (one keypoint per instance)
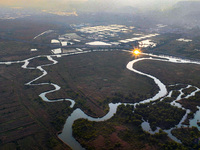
(66, 135)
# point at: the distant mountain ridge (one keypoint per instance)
(191, 5)
(183, 13)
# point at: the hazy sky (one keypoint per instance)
(44, 4)
(87, 4)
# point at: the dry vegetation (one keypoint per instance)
(25, 120)
(98, 78)
(28, 121)
(135, 138)
(171, 73)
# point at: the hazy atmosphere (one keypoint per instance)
(87, 4)
(100, 74)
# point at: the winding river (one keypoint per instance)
(66, 135)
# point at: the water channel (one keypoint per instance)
(66, 135)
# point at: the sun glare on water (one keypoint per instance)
(136, 51)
